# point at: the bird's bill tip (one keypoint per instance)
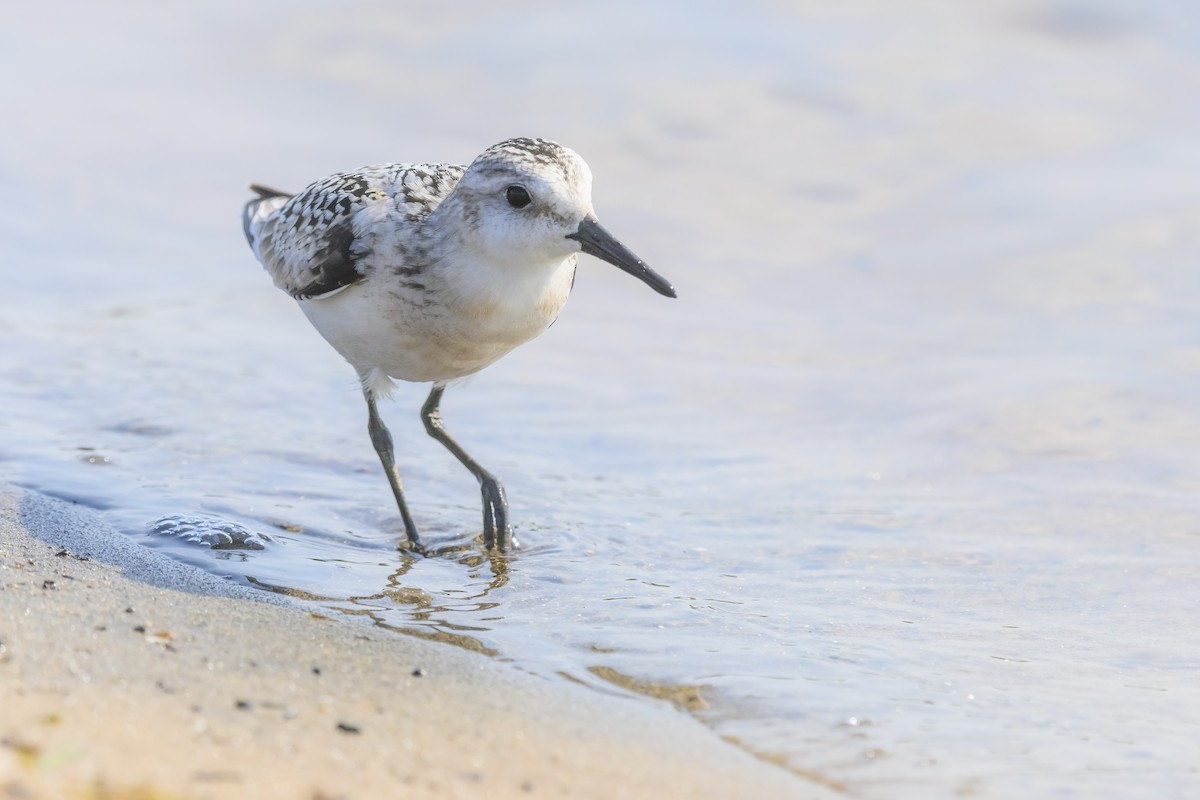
(596, 241)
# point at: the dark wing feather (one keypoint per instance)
(334, 265)
(319, 240)
(309, 242)
(250, 212)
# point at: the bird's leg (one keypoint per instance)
(496, 530)
(382, 439)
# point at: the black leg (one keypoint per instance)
(382, 439)
(496, 530)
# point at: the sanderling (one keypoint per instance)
(430, 272)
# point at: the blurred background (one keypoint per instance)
(901, 493)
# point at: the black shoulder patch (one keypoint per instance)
(333, 266)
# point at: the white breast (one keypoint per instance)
(462, 321)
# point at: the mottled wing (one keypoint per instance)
(319, 241)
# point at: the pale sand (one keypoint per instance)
(128, 675)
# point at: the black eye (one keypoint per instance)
(517, 196)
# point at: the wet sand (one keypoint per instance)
(124, 674)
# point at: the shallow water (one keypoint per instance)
(901, 493)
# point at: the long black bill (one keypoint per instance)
(600, 243)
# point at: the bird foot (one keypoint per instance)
(410, 545)
(497, 532)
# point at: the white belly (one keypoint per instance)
(451, 336)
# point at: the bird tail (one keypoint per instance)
(260, 208)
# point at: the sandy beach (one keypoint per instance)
(124, 674)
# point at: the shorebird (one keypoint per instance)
(431, 272)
